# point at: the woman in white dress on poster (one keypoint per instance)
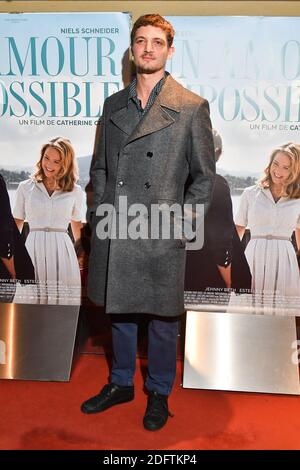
(271, 210)
(49, 201)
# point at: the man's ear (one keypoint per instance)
(171, 52)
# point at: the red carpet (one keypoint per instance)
(46, 415)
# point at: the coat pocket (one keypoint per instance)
(172, 221)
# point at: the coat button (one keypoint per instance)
(150, 154)
(120, 184)
(147, 185)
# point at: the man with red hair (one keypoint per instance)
(155, 147)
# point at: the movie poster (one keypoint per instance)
(56, 70)
(248, 68)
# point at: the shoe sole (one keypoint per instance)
(154, 428)
(89, 412)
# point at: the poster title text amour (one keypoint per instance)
(253, 98)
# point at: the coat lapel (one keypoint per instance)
(157, 117)
(123, 120)
(121, 117)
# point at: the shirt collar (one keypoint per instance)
(155, 91)
(268, 194)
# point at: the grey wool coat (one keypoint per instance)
(149, 161)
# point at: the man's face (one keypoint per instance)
(150, 49)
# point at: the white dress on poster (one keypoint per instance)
(273, 261)
(52, 252)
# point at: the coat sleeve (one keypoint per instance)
(219, 224)
(98, 169)
(6, 226)
(201, 159)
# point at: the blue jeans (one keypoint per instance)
(162, 348)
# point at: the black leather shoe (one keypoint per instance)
(157, 412)
(110, 395)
